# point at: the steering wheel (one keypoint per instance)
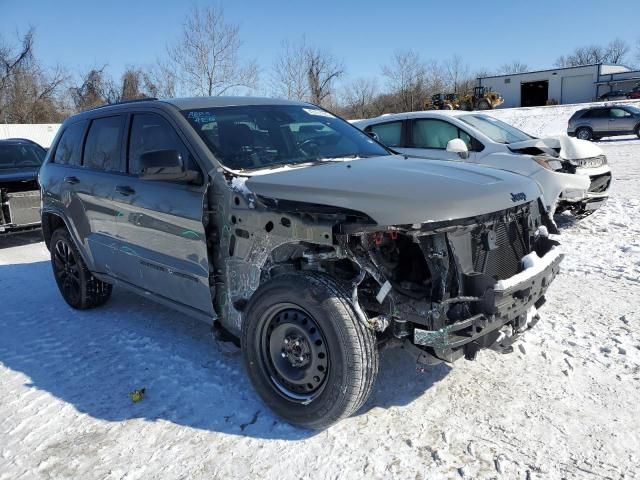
(309, 147)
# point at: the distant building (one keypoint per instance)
(42, 133)
(561, 85)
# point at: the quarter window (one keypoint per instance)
(389, 134)
(102, 149)
(151, 132)
(69, 146)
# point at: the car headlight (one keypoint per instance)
(592, 162)
(549, 163)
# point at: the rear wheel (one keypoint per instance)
(308, 355)
(78, 287)
(638, 131)
(584, 133)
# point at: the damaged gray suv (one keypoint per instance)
(297, 235)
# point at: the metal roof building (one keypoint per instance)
(561, 85)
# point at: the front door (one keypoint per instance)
(160, 223)
(428, 138)
(620, 120)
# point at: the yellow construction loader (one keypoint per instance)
(482, 98)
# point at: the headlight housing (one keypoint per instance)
(549, 163)
(592, 162)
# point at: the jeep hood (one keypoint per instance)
(396, 190)
(563, 146)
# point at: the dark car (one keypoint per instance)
(597, 122)
(20, 160)
(614, 95)
(635, 93)
(303, 238)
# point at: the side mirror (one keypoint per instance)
(373, 135)
(458, 146)
(164, 165)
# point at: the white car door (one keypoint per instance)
(428, 138)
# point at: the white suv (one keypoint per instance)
(572, 174)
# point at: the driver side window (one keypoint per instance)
(151, 132)
(431, 133)
(618, 113)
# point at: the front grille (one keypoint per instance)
(501, 256)
(24, 207)
(600, 183)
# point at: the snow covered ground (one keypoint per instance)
(564, 405)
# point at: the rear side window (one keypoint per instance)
(102, 148)
(597, 113)
(70, 145)
(389, 134)
(151, 132)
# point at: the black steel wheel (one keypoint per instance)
(78, 287)
(294, 352)
(308, 355)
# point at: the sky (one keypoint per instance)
(83, 34)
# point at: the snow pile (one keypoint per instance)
(548, 120)
(532, 265)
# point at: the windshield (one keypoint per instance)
(20, 156)
(266, 136)
(496, 130)
(633, 109)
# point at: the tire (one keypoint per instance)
(308, 355)
(79, 288)
(584, 133)
(483, 104)
(638, 131)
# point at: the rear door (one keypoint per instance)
(160, 223)
(598, 120)
(93, 186)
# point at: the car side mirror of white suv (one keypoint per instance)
(458, 146)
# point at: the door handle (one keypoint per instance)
(71, 180)
(125, 190)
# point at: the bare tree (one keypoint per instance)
(289, 78)
(305, 72)
(359, 96)
(406, 74)
(28, 91)
(207, 56)
(160, 80)
(323, 69)
(614, 52)
(95, 89)
(457, 72)
(617, 51)
(514, 67)
(12, 59)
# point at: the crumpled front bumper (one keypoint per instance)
(507, 303)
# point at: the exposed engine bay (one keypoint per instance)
(440, 289)
(19, 205)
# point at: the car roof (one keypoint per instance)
(18, 141)
(389, 117)
(190, 103)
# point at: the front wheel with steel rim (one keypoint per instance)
(584, 133)
(308, 355)
(78, 287)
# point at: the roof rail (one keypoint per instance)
(124, 102)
